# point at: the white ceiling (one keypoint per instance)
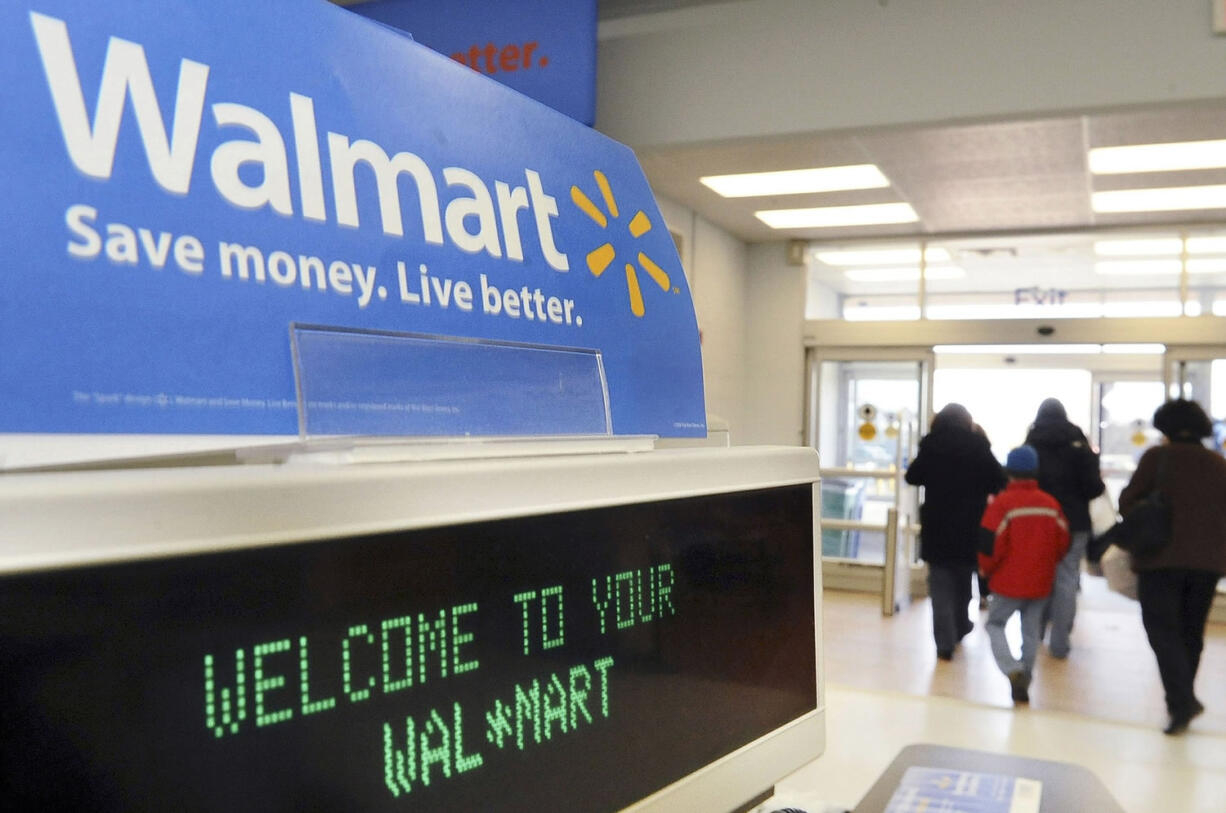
(1010, 200)
(961, 179)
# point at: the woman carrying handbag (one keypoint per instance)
(1176, 584)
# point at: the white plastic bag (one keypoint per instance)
(1117, 567)
(1102, 514)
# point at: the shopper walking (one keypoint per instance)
(958, 472)
(1025, 535)
(1176, 585)
(1068, 470)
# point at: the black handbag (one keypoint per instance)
(1146, 528)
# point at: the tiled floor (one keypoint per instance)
(1102, 708)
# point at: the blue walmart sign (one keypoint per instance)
(188, 179)
(545, 49)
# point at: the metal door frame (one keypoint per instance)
(900, 529)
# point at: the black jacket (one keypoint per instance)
(1068, 469)
(958, 472)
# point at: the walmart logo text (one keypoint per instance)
(472, 218)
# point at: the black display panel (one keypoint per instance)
(576, 661)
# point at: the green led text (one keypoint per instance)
(392, 656)
(634, 597)
(430, 747)
(548, 604)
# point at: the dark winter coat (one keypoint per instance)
(958, 472)
(1068, 469)
(1195, 483)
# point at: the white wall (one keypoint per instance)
(775, 355)
(715, 265)
(763, 67)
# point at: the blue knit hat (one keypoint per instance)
(1022, 462)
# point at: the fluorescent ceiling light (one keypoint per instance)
(1207, 265)
(1154, 247)
(881, 313)
(1016, 349)
(828, 216)
(1158, 157)
(1167, 199)
(882, 256)
(1207, 245)
(903, 274)
(1136, 267)
(1069, 310)
(1134, 349)
(1165, 267)
(796, 181)
(1141, 309)
(1159, 247)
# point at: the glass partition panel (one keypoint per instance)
(1125, 430)
(867, 414)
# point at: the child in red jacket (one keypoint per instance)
(1025, 534)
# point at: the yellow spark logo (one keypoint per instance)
(599, 259)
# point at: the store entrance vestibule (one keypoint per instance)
(1110, 391)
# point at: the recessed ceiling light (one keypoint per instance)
(1196, 265)
(796, 181)
(1167, 199)
(1207, 265)
(1158, 246)
(1135, 349)
(1158, 157)
(828, 216)
(1015, 349)
(1141, 309)
(881, 313)
(1207, 245)
(903, 274)
(1152, 247)
(882, 256)
(1136, 267)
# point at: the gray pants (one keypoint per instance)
(1063, 606)
(1000, 608)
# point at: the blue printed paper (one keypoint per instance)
(185, 179)
(943, 790)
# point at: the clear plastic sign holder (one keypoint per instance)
(389, 395)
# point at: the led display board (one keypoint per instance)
(574, 659)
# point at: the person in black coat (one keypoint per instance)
(958, 472)
(1068, 470)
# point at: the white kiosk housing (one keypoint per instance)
(585, 632)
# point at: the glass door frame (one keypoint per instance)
(897, 577)
(1098, 378)
(816, 356)
(1176, 353)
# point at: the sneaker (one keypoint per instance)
(945, 654)
(965, 629)
(1019, 683)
